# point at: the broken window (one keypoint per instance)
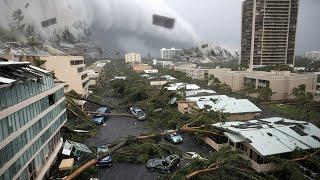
(52, 99)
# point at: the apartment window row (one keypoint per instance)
(40, 160)
(25, 157)
(76, 62)
(18, 143)
(14, 121)
(10, 96)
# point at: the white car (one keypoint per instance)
(193, 155)
(138, 112)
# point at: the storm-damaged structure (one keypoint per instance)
(32, 111)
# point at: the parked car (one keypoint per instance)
(166, 165)
(138, 112)
(100, 119)
(174, 138)
(107, 161)
(193, 155)
(104, 110)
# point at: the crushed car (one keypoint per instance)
(141, 116)
(100, 119)
(193, 155)
(166, 165)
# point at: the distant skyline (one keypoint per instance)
(219, 21)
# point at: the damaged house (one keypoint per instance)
(261, 140)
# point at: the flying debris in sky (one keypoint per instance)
(26, 6)
(49, 22)
(163, 21)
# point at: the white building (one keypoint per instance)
(164, 64)
(313, 55)
(169, 54)
(133, 58)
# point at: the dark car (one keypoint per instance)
(100, 119)
(174, 138)
(166, 165)
(107, 161)
(138, 112)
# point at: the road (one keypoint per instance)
(120, 127)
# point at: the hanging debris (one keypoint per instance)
(49, 22)
(163, 21)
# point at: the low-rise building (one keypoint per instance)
(313, 55)
(151, 71)
(185, 86)
(158, 83)
(280, 82)
(235, 109)
(94, 72)
(32, 111)
(133, 58)
(200, 92)
(261, 140)
(164, 64)
(139, 67)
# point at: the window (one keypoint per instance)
(76, 62)
(80, 69)
(52, 99)
(84, 76)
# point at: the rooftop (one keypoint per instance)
(232, 106)
(199, 92)
(12, 72)
(273, 136)
(177, 86)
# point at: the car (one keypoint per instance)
(193, 155)
(107, 161)
(166, 165)
(174, 138)
(105, 110)
(98, 118)
(138, 113)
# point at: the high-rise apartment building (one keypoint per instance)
(268, 32)
(169, 54)
(32, 111)
(133, 58)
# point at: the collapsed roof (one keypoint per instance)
(14, 72)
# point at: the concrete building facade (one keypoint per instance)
(71, 70)
(32, 111)
(132, 58)
(313, 55)
(268, 32)
(280, 82)
(169, 54)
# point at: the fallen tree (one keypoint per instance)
(88, 100)
(122, 143)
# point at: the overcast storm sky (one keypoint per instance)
(127, 24)
(218, 21)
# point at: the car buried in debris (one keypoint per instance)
(141, 116)
(166, 165)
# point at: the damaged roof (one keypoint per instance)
(273, 136)
(17, 48)
(13, 72)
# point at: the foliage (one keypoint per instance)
(231, 166)
(40, 62)
(278, 67)
(142, 152)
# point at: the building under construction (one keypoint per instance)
(268, 32)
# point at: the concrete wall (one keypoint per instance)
(68, 73)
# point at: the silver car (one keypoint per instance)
(141, 116)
